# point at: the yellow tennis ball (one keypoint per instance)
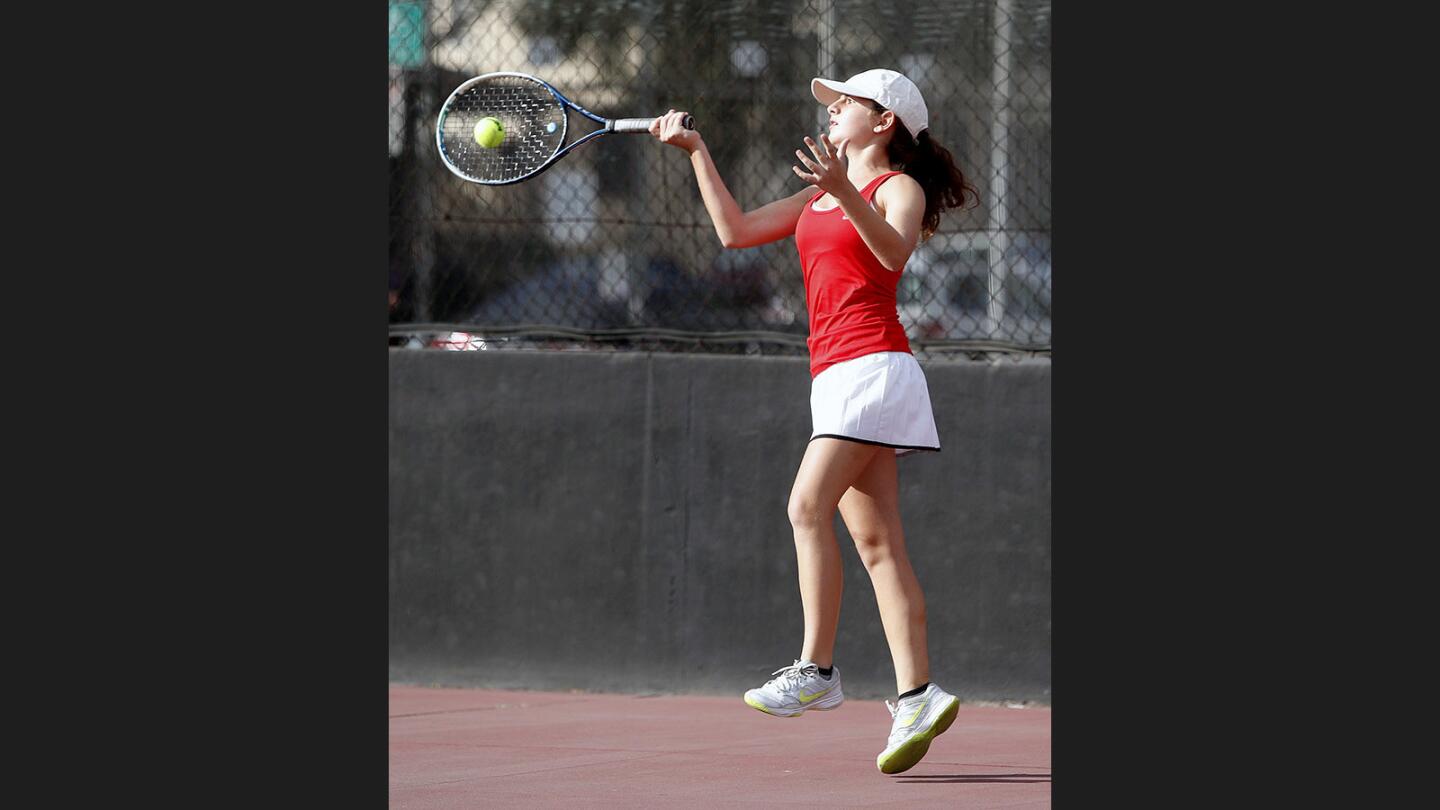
(489, 132)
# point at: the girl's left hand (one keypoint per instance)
(828, 170)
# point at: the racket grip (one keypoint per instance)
(643, 124)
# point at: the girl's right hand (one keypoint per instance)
(669, 129)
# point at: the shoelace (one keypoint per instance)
(792, 675)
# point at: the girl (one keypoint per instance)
(878, 184)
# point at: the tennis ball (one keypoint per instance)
(489, 132)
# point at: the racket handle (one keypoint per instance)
(643, 124)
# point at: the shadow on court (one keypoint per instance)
(452, 748)
(1009, 779)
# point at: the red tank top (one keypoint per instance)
(849, 294)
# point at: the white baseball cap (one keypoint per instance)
(894, 92)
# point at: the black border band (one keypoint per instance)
(868, 441)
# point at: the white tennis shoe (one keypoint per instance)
(798, 689)
(918, 719)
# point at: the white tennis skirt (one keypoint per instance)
(877, 398)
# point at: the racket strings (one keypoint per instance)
(533, 119)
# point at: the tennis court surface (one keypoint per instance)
(452, 748)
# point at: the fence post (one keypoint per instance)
(999, 238)
(825, 33)
(422, 232)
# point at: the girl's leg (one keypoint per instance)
(827, 470)
(871, 509)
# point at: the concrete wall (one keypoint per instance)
(616, 522)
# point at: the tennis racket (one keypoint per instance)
(534, 118)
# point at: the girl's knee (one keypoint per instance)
(873, 547)
(806, 512)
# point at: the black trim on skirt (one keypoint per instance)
(911, 448)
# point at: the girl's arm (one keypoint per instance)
(892, 231)
(736, 228)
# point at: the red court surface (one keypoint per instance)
(452, 748)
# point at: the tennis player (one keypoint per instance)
(878, 183)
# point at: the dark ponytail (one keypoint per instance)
(934, 168)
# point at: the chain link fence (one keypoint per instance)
(611, 248)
